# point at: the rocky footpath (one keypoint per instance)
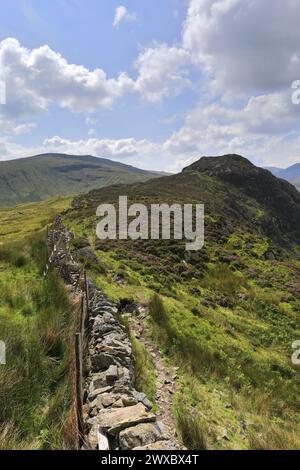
(116, 415)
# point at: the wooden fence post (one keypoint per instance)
(86, 288)
(82, 319)
(79, 388)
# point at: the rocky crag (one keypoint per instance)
(115, 414)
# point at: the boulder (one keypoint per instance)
(139, 435)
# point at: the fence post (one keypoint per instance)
(79, 401)
(82, 319)
(86, 288)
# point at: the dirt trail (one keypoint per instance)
(166, 378)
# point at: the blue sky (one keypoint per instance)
(154, 84)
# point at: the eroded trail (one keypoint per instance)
(167, 378)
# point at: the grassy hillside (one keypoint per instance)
(226, 316)
(18, 222)
(37, 325)
(44, 176)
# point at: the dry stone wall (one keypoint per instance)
(115, 414)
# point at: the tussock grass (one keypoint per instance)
(37, 323)
(273, 437)
(191, 427)
(157, 311)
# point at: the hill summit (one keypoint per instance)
(37, 178)
(278, 197)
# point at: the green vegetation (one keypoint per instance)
(145, 374)
(226, 316)
(44, 176)
(192, 428)
(21, 221)
(37, 323)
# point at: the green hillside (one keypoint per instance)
(38, 178)
(225, 316)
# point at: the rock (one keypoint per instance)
(225, 435)
(93, 437)
(112, 375)
(108, 399)
(140, 435)
(228, 406)
(141, 397)
(115, 421)
(118, 404)
(92, 395)
(103, 361)
(129, 401)
(98, 382)
(103, 443)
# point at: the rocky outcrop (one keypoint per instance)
(116, 415)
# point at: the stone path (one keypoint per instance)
(167, 378)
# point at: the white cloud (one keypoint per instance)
(133, 151)
(35, 78)
(162, 72)
(245, 45)
(9, 128)
(122, 14)
(264, 129)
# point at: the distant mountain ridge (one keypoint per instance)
(39, 177)
(291, 174)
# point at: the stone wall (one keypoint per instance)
(116, 415)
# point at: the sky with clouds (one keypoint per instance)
(149, 83)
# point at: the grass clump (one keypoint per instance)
(157, 311)
(191, 427)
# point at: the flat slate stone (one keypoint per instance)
(115, 420)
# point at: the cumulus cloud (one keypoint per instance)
(162, 72)
(122, 14)
(245, 46)
(10, 128)
(264, 129)
(35, 78)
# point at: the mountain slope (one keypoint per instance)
(231, 188)
(225, 316)
(278, 198)
(40, 177)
